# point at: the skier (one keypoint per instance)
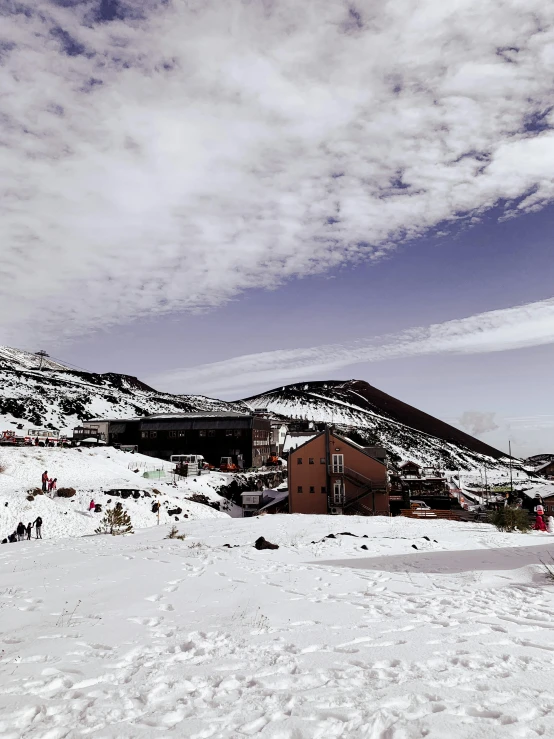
(38, 523)
(20, 531)
(44, 480)
(29, 528)
(91, 506)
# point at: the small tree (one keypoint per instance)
(174, 534)
(116, 521)
(510, 518)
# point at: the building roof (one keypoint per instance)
(544, 491)
(113, 420)
(274, 497)
(543, 466)
(198, 414)
(294, 439)
(343, 440)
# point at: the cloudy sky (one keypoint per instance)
(225, 197)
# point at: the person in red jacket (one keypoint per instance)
(44, 481)
(92, 505)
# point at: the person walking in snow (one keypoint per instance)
(20, 531)
(52, 485)
(44, 481)
(29, 529)
(539, 520)
(38, 525)
(92, 506)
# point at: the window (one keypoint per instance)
(338, 463)
(299, 460)
(310, 460)
(181, 434)
(228, 432)
(322, 460)
(324, 490)
(312, 489)
(238, 432)
(153, 434)
(172, 434)
(202, 432)
(144, 434)
(338, 492)
(211, 432)
(299, 489)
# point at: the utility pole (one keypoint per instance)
(486, 484)
(511, 477)
(42, 354)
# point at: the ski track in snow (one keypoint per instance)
(142, 636)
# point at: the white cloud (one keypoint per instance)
(494, 331)
(167, 162)
(478, 422)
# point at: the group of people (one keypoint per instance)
(49, 484)
(43, 442)
(22, 531)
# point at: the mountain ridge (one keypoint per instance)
(374, 399)
(58, 396)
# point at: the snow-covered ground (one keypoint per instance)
(91, 472)
(142, 636)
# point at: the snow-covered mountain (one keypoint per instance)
(370, 416)
(61, 397)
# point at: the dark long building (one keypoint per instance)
(245, 438)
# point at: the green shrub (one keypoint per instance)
(174, 534)
(510, 518)
(116, 521)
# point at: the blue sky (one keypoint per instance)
(222, 199)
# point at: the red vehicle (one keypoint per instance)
(227, 465)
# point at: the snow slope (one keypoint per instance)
(62, 398)
(142, 636)
(91, 472)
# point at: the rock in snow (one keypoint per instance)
(262, 543)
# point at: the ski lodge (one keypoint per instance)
(329, 473)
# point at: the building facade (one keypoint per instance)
(110, 430)
(278, 436)
(244, 438)
(332, 474)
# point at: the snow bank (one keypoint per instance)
(134, 637)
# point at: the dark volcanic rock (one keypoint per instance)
(262, 543)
